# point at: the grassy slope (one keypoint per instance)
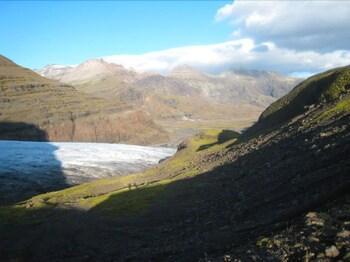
(323, 89)
(185, 164)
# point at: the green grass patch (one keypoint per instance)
(339, 86)
(342, 107)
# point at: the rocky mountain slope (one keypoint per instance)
(239, 86)
(184, 99)
(64, 113)
(279, 192)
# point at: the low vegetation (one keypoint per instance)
(339, 108)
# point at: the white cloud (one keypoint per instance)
(242, 53)
(301, 25)
(294, 37)
(202, 56)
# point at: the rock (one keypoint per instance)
(182, 146)
(163, 159)
(314, 219)
(323, 134)
(298, 245)
(344, 234)
(263, 242)
(277, 242)
(313, 239)
(332, 251)
(29, 204)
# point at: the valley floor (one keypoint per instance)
(181, 129)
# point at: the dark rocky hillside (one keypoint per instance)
(279, 192)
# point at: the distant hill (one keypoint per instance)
(67, 114)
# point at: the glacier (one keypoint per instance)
(42, 166)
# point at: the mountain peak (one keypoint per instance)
(93, 63)
(185, 71)
(100, 64)
(184, 68)
(251, 72)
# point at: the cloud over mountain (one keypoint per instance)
(241, 53)
(321, 26)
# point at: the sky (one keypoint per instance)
(293, 37)
(38, 33)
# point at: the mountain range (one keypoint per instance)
(245, 86)
(182, 101)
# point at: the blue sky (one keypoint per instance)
(213, 36)
(38, 33)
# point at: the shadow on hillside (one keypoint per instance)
(219, 210)
(27, 168)
(21, 131)
(234, 203)
(224, 136)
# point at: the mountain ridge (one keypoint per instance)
(315, 91)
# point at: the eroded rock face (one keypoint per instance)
(113, 128)
(133, 127)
